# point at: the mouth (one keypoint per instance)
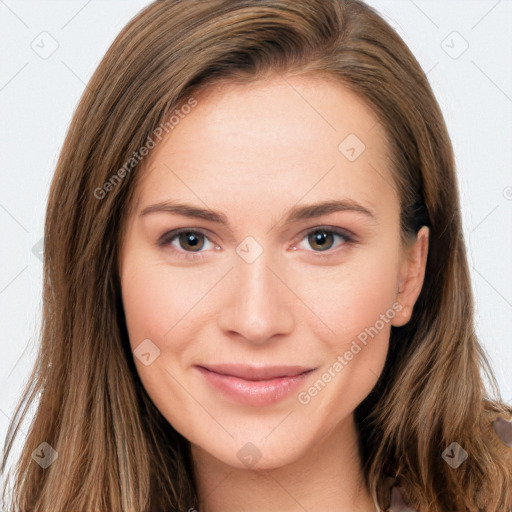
(257, 386)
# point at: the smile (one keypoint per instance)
(255, 386)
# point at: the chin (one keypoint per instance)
(256, 456)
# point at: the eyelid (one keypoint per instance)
(345, 233)
(169, 235)
(348, 239)
(166, 238)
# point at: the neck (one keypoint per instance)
(327, 476)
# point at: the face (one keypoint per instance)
(246, 303)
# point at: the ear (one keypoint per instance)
(411, 276)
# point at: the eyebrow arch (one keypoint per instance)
(297, 213)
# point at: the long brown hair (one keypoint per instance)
(115, 451)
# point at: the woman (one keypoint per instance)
(198, 351)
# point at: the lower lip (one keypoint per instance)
(254, 392)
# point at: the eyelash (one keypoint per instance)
(168, 238)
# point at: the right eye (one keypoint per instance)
(186, 243)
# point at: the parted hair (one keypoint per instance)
(116, 452)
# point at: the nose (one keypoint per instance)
(258, 303)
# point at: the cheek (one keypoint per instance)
(149, 310)
(353, 297)
(160, 305)
(357, 303)
(154, 297)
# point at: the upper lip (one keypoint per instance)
(248, 372)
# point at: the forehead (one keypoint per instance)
(283, 139)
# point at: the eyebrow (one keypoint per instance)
(297, 213)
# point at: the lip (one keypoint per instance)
(255, 386)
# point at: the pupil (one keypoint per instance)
(192, 240)
(318, 238)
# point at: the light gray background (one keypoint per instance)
(39, 92)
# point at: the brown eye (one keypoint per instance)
(187, 244)
(325, 240)
(191, 240)
(321, 239)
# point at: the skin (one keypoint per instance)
(253, 152)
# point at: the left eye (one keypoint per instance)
(323, 238)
